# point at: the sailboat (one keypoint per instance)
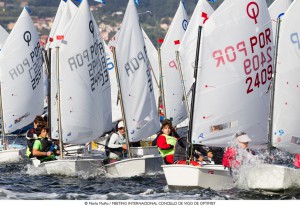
(284, 116)
(152, 55)
(62, 21)
(83, 93)
(228, 91)
(189, 43)
(172, 92)
(187, 47)
(65, 13)
(136, 96)
(145, 148)
(21, 92)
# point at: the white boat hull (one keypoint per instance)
(150, 164)
(141, 151)
(208, 176)
(12, 155)
(71, 167)
(269, 177)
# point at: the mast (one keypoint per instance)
(58, 105)
(272, 85)
(189, 139)
(182, 83)
(47, 61)
(161, 84)
(49, 90)
(157, 84)
(121, 101)
(2, 122)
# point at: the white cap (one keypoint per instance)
(120, 124)
(243, 138)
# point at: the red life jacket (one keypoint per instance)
(229, 158)
(297, 161)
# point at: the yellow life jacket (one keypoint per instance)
(170, 140)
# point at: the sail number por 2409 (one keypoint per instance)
(260, 78)
(253, 65)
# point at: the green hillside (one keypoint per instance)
(162, 12)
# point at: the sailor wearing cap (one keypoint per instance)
(117, 144)
(234, 156)
(243, 140)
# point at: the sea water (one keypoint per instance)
(23, 182)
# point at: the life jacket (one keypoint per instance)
(107, 149)
(30, 138)
(30, 143)
(46, 146)
(229, 158)
(173, 134)
(170, 140)
(117, 151)
(297, 161)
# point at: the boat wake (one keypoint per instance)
(35, 171)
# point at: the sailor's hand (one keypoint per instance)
(48, 153)
(124, 147)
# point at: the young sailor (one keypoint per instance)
(297, 161)
(117, 147)
(44, 149)
(235, 156)
(166, 143)
(31, 135)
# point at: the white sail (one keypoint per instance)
(61, 24)
(286, 119)
(59, 12)
(115, 102)
(276, 8)
(187, 48)
(106, 90)
(21, 63)
(234, 74)
(84, 81)
(135, 78)
(153, 58)
(3, 36)
(175, 107)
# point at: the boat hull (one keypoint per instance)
(142, 151)
(187, 176)
(12, 155)
(71, 167)
(269, 177)
(149, 164)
